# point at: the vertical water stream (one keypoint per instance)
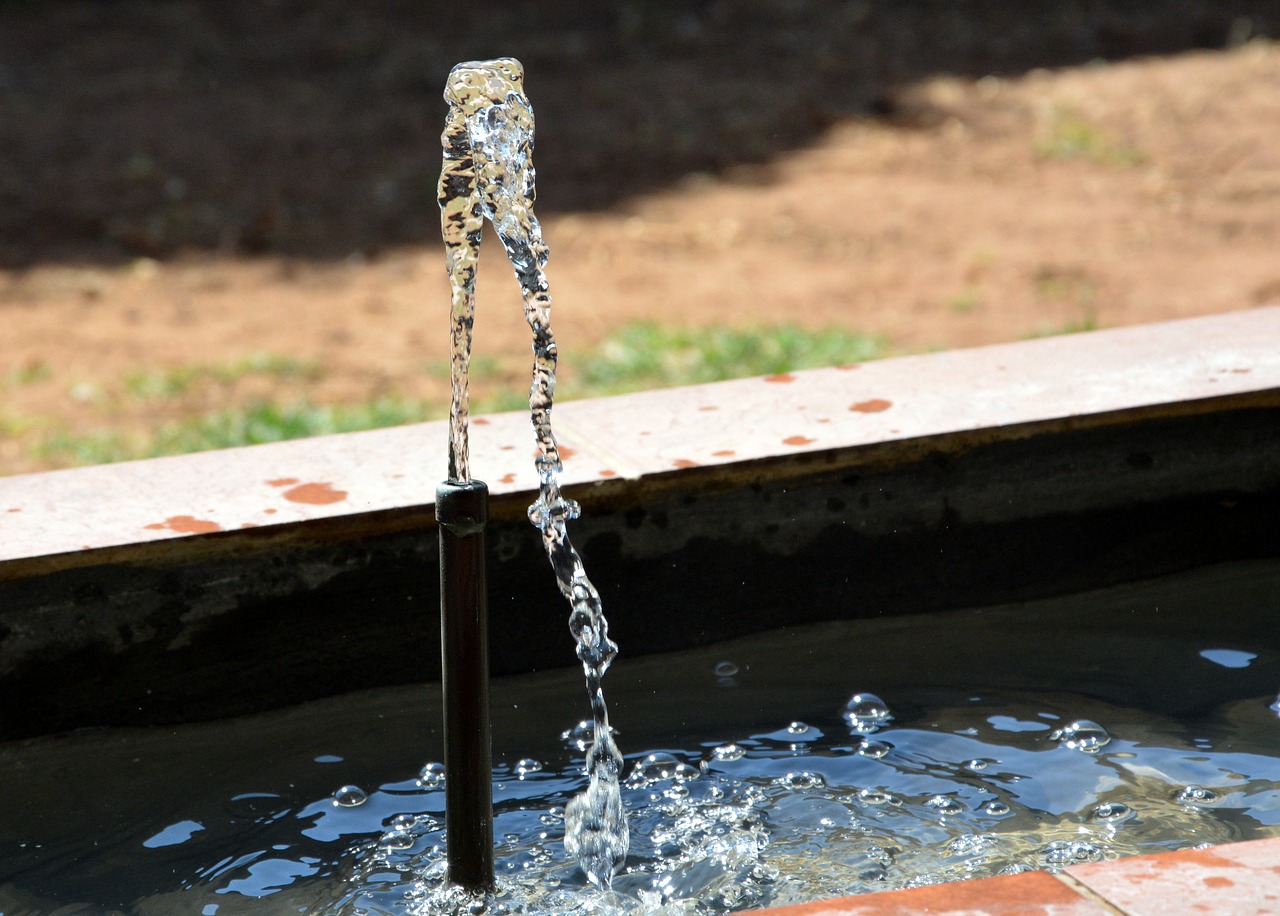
(488, 174)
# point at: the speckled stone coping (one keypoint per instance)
(1237, 879)
(982, 393)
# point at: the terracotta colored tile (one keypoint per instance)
(1240, 879)
(1028, 894)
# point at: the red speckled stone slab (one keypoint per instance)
(1239, 879)
(1028, 894)
(650, 434)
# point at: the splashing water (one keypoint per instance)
(488, 173)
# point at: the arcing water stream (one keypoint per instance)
(488, 174)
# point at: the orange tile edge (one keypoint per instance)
(1210, 880)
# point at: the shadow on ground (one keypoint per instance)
(141, 128)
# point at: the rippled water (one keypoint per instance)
(815, 768)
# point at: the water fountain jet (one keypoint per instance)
(488, 173)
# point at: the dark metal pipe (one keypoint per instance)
(462, 509)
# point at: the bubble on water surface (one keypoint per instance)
(580, 736)
(1195, 795)
(395, 840)
(728, 752)
(944, 804)
(1110, 812)
(869, 747)
(658, 767)
(801, 780)
(526, 765)
(994, 808)
(873, 797)
(1064, 853)
(797, 728)
(972, 844)
(866, 713)
(1082, 735)
(978, 765)
(350, 797)
(431, 776)
(726, 669)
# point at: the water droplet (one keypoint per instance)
(727, 752)
(869, 747)
(431, 776)
(1195, 795)
(726, 669)
(1110, 811)
(350, 797)
(994, 808)
(797, 728)
(944, 804)
(866, 713)
(1082, 735)
(802, 780)
(526, 765)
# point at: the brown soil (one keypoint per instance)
(188, 184)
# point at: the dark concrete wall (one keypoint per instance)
(243, 621)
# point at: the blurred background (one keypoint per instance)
(218, 221)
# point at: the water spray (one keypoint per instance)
(488, 174)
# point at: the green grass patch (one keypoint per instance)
(1070, 136)
(169, 384)
(649, 355)
(637, 357)
(964, 302)
(1088, 321)
(252, 424)
(31, 372)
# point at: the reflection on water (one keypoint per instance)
(978, 753)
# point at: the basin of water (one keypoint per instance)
(1135, 719)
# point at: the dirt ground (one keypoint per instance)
(994, 195)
